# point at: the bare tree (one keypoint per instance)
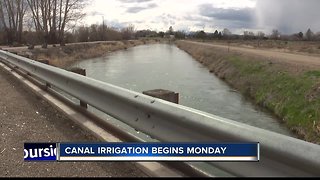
(300, 35)
(248, 35)
(11, 14)
(309, 35)
(128, 32)
(170, 31)
(51, 17)
(260, 35)
(94, 34)
(71, 13)
(215, 34)
(275, 34)
(82, 34)
(226, 33)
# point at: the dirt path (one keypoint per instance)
(294, 59)
(26, 118)
(57, 45)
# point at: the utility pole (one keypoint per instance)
(103, 29)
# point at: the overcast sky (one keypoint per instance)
(288, 16)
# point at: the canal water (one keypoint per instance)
(165, 66)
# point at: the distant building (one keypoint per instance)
(169, 36)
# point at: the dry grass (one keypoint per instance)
(64, 56)
(300, 47)
(292, 95)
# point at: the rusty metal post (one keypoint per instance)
(44, 61)
(48, 85)
(81, 72)
(25, 55)
(163, 94)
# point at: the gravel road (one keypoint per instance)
(293, 59)
(24, 117)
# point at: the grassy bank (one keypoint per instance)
(290, 92)
(299, 47)
(66, 55)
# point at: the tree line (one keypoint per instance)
(44, 22)
(55, 22)
(47, 20)
(226, 34)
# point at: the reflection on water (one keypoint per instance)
(167, 67)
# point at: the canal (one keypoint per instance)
(164, 66)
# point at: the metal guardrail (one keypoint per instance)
(279, 155)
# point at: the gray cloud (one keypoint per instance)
(245, 14)
(138, 22)
(228, 18)
(134, 1)
(95, 13)
(200, 24)
(166, 19)
(116, 24)
(136, 9)
(152, 5)
(197, 18)
(288, 16)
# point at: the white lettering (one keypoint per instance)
(67, 150)
(206, 150)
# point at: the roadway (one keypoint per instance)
(24, 117)
(9, 48)
(283, 57)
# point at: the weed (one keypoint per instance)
(283, 93)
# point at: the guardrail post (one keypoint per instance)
(81, 72)
(163, 94)
(44, 61)
(27, 56)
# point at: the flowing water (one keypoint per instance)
(164, 66)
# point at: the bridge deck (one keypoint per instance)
(26, 118)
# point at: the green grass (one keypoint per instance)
(283, 93)
(292, 96)
(313, 74)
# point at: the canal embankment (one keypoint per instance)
(165, 66)
(63, 56)
(288, 89)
